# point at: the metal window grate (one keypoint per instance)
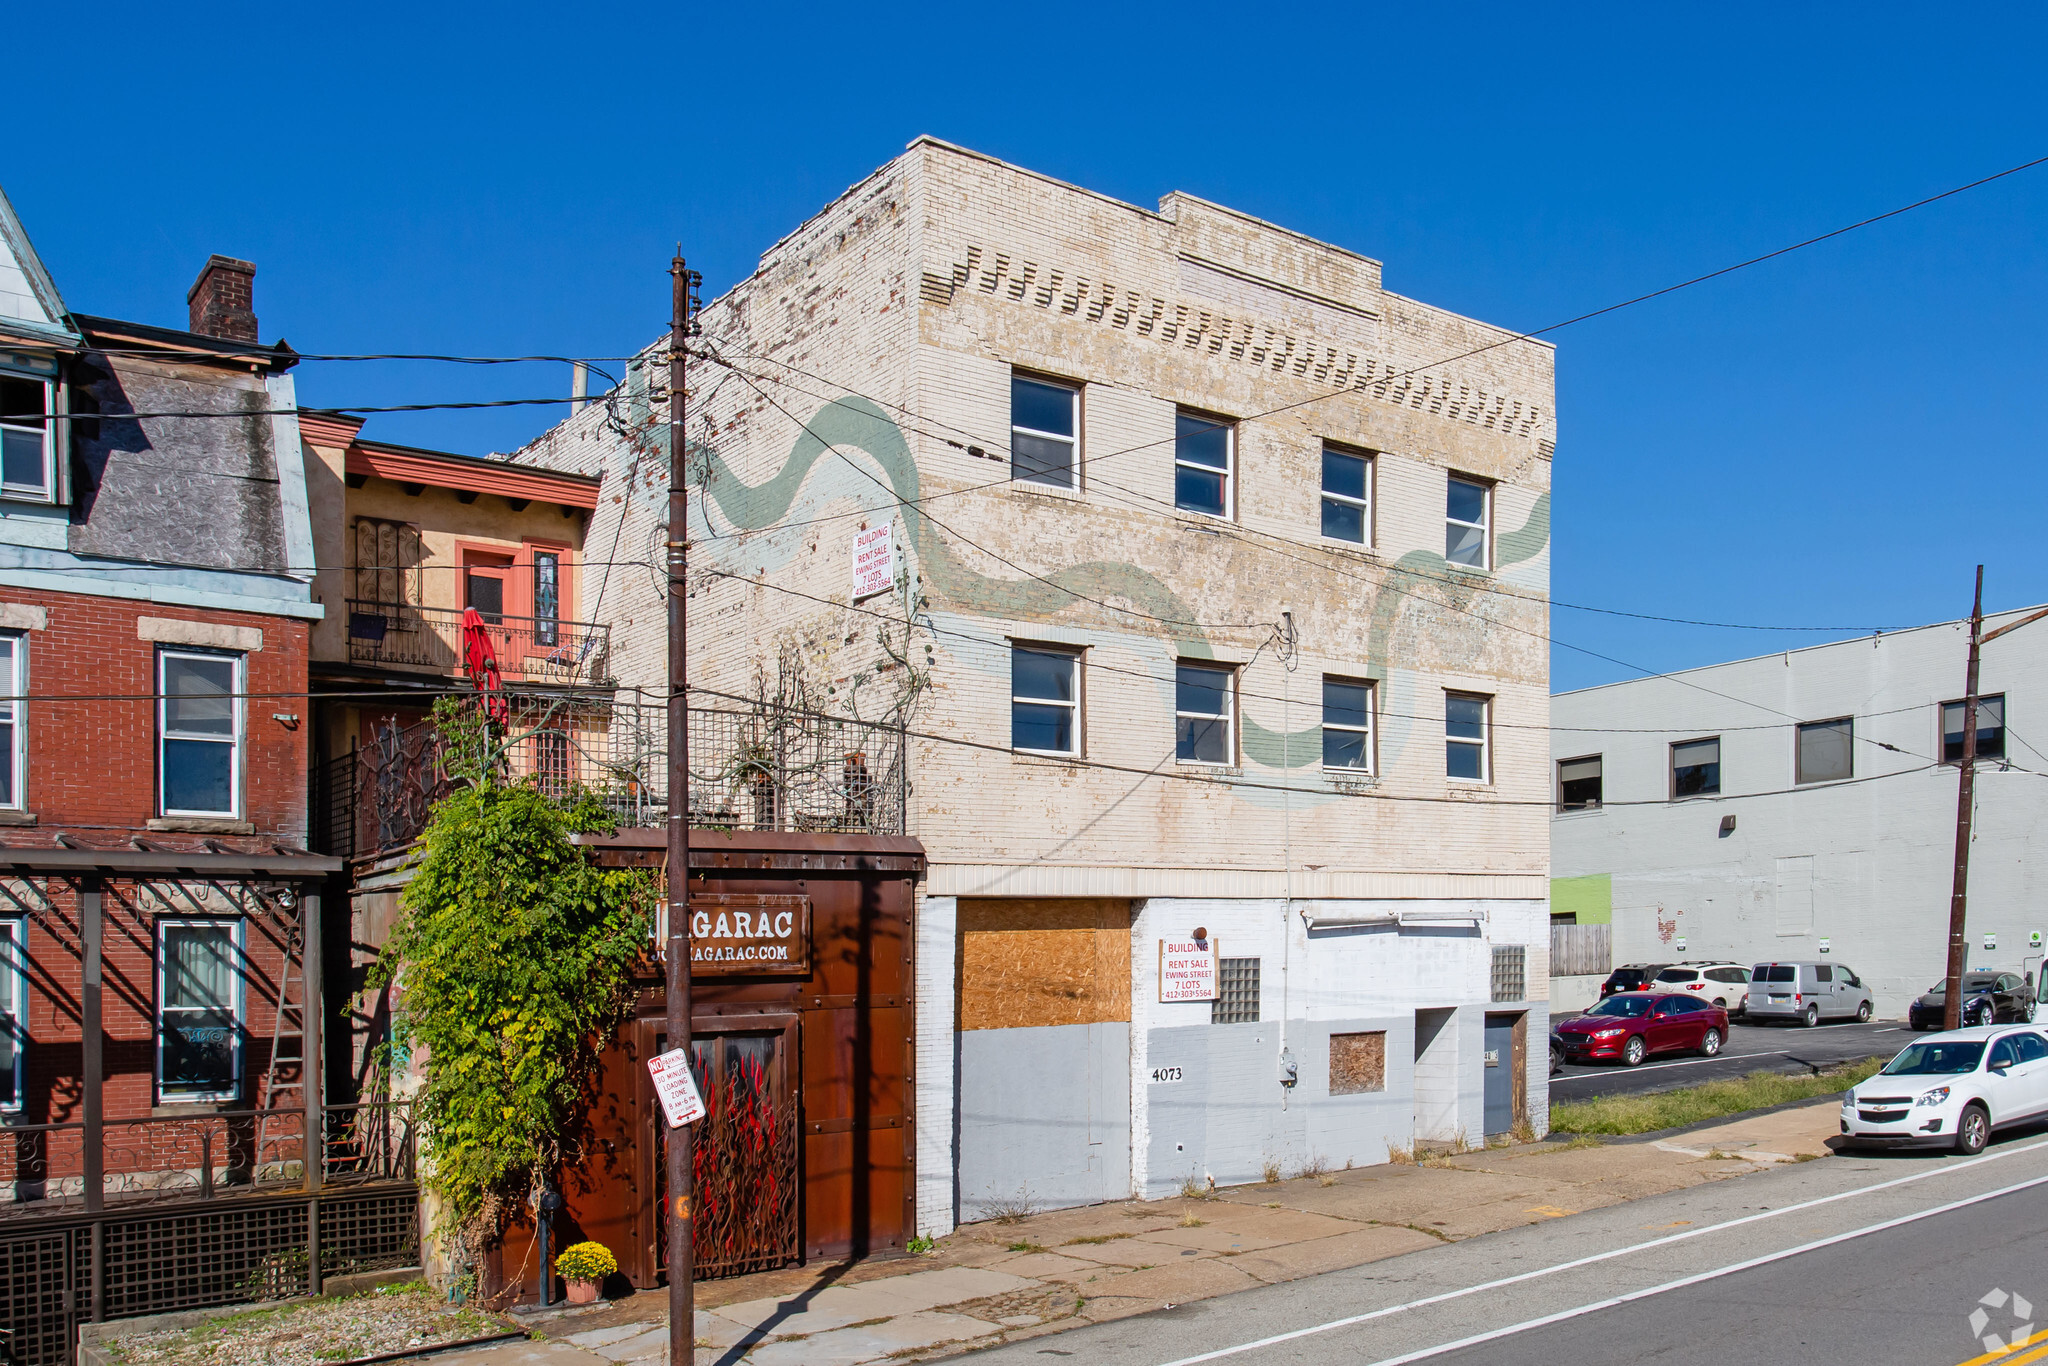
(1237, 992)
(1510, 974)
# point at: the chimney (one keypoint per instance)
(223, 299)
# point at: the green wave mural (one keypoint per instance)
(859, 424)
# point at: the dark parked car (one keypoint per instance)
(1557, 1051)
(1631, 977)
(1631, 1025)
(1988, 998)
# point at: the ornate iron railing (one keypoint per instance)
(753, 766)
(528, 649)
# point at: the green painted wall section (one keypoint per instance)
(1589, 899)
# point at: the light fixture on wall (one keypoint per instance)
(1201, 934)
(1727, 826)
(287, 899)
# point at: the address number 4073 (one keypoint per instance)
(1162, 1074)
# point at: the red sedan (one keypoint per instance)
(1634, 1024)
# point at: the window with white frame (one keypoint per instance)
(1347, 724)
(199, 734)
(1203, 714)
(1045, 431)
(199, 1011)
(13, 674)
(1203, 464)
(1347, 496)
(1468, 721)
(28, 441)
(13, 1010)
(1468, 518)
(1045, 700)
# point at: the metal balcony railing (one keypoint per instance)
(529, 649)
(753, 766)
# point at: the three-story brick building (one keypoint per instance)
(1208, 581)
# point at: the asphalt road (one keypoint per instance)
(1749, 1048)
(1855, 1258)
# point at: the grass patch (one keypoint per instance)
(1024, 1247)
(1096, 1240)
(1670, 1109)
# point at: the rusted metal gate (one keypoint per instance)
(803, 1043)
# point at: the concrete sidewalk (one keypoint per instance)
(994, 1282)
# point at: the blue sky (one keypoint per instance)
(1834, 438)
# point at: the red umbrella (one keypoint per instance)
(482, 663)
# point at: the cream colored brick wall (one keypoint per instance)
(920, 289)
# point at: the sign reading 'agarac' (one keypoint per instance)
(874, 561)
(1187, 970)
(737, 935)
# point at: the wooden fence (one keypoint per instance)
(1581, 950)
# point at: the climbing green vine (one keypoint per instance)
(511, 967)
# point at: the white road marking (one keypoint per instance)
(1689, 1062)
(1630, 1250)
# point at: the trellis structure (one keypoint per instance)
(109, 1216)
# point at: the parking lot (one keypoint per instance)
(1749, 1048)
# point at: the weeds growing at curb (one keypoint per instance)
(1024, 1246)
(1401, 1157)
(1190, 1221)
(1096, 1239)
(1010, 1209)
(1715, 1099)
(1315, 1164)
(1196, 1188)
(1269, 1171)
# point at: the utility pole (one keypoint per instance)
(682, 1315)
(1966, 793)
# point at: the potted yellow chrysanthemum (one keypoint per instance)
(584, 1266)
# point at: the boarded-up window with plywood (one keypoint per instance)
(388, 556)
(1038, 961)
(1358, 1063)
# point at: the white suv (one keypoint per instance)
(1951, 1089)
(1724, 984)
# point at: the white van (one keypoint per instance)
(1806, 992)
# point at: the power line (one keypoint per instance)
(1005, 642)
(1505, 589)
(1009, 564)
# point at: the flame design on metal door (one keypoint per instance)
(744, 1156)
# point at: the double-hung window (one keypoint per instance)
(1045, 431)
(1347, 496)
(13, 1010)
(199, 1013)
(1203, 714)
(1990, 729)
(13, 674)
(1696, 768)
(28, 443)
(1826, 750)
(1468, 518)
(1347, 725)
(1204, 460)
(1467, 737)
(199, 734)
(1045, 700)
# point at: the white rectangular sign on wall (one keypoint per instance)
(1187, 970)
(874, 561)
(676, 1087)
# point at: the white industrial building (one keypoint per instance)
(1802, 805)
